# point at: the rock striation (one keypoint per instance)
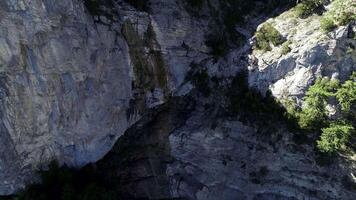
(79, 80)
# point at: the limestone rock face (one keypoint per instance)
(313, 54)
(234, 161)
(74, 79)
(65, 87)
(184, 151)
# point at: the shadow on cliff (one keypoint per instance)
(136, 166)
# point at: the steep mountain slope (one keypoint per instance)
(154, 82)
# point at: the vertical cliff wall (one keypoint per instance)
(76, 75)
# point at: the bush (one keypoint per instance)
(341, 13)
(313, 115)
(268, 34)
(308, 7)
(346, 95)
(285, 48)
(345, 18)
(334, 137)
(327, 24)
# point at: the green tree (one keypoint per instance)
(334, 137)
(313, 114)
(346, 95)
(268, 34)
(327, 24)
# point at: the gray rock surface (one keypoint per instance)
(185, 151)
(313, 54)
(72, 82)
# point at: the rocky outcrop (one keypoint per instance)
(313, 53)
(66, 87)
(185, 150)
(74, 77)
(76, 74)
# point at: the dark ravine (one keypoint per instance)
(138, 161)
(187, 149)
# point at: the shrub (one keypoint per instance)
(285, 48)
(346, 95)
(308, 7)
(327, 24)
(313, 115)
(341, 13)
(268, 34)
(345, 18)
(334, 137)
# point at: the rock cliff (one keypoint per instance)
(82, 77)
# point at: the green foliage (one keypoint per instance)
(341, 13)
(69, 184)
(308, 7)
(327, 24)
(334, 137)
(268, 34)
(346, 95)
(285, 48)
(313, 114)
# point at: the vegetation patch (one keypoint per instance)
(341, 13)
(266, 36)
(335, 133)
(308, 7)
(314, 114)
(327, 24)
(346, 94)
(285, 47)
(335, 136)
